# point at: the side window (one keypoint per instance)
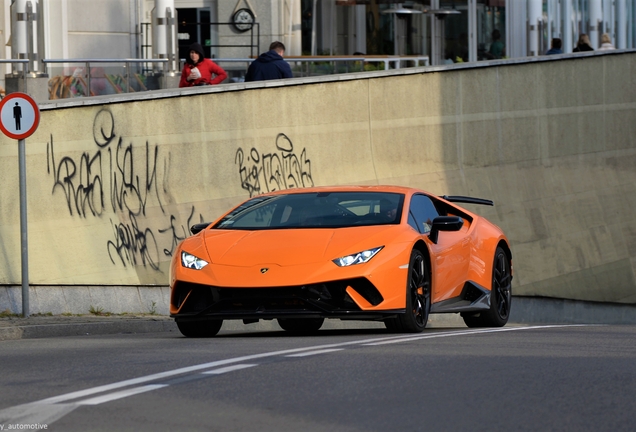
(423, 212)
(413, 223)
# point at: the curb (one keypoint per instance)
(39, 331)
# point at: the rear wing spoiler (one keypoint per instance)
(467, 200)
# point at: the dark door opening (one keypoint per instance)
(194, 26)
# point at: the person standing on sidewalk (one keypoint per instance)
(199, 70)
(269, 65)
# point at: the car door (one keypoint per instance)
(450, 256)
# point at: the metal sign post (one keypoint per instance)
(24, 238)
(19, 118)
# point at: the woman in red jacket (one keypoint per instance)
(198, 70)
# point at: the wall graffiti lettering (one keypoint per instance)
(126, 190)
(82, 188)
(177, 232)
(268, 172)
(83, 183)
(108, 179)
(133, 245)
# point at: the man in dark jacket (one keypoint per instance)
(555, 47)
(269, 65)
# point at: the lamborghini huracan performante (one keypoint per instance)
(382, 253)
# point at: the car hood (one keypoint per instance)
(291, 246)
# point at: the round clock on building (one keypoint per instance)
(243, 19)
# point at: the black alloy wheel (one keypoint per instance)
(500, 295)
(418, 298)
(199, 329)
(301, 326)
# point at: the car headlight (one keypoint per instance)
(357, 258)
(192, 262)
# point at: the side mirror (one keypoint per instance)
(197, 228)
(444, 223)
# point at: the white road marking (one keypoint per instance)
(220, 371)
(310, 353)
(196, 368)
(120, 394)
(440, 335)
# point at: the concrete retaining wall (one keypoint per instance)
(82, 299)
(113, 183)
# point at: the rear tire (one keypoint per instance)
(418, 298)
(301, 326)
(500, 296)
(199, 329)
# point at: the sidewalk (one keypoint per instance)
(46, 326)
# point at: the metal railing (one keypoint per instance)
(80, 74)
(387, 61)
(327, 65)
(121, 83)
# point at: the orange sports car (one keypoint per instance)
(383, 253)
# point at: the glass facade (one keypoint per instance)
(491, 30)
(475, 30)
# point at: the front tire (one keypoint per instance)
(500, 295)
(418, 298)
(199, 329)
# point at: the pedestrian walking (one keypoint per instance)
(269, 65)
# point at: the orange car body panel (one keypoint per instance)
(279, 258)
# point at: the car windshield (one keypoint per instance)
(315, 210)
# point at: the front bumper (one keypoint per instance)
(191, 301)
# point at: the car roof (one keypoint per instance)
(407, 191)
(353, 188)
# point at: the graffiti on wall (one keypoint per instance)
(120, 177)
(267, 172)
(108, 180)
(82, 182)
